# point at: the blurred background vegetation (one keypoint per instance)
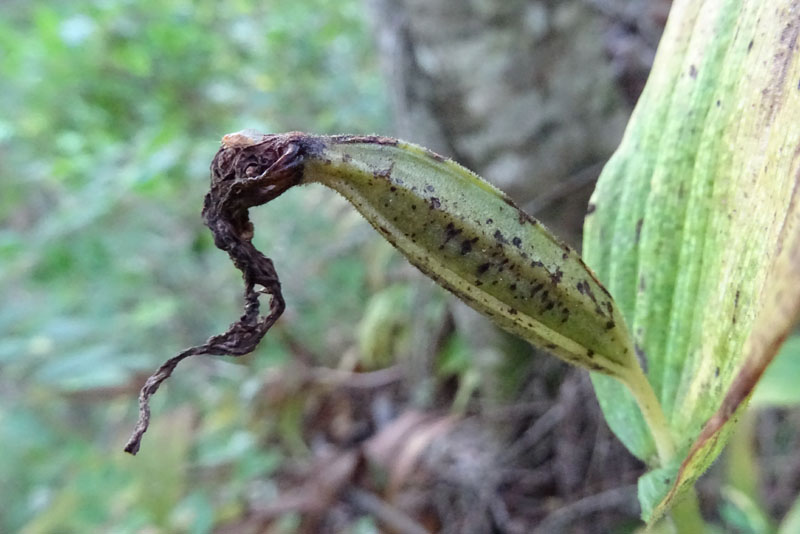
(111, 113)
(376, 400)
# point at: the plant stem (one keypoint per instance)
(741, 467)
(653, 414)
(685, 514)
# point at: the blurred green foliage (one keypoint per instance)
(112, 110)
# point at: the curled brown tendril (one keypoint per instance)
(247, 171)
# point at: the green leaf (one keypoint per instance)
(654, 484)
(693, 225)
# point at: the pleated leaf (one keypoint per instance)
(694, 225)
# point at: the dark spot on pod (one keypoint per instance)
(413, 206)
(736, 299)
(642, 284)
(478, 283)
(590, 353)
(716, 371)
(393, 189)
(429, 188)
(524, 255)
(466, 247)
(609, 307)
(544, 295)
(693, 71)
(584, 289)
(550, 305)
(610, 325)
(383, 229)
(451, 231)
(535, 289)
(602, 287)
(750, 45)
(482, 268)
(550, 346)
(347, 157)
(590, 208)
(513, 287)
(489, 221)
(435, 204)
(639, 229)
(512, 311)
(398, 181)
(500, 237)
(565, 255)
(517, 242)
(565, 313)
(555, 278)
(537, 263)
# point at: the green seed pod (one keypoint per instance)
(463, 233)
(459, 230)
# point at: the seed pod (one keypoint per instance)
(456, 228)
(463, 233)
